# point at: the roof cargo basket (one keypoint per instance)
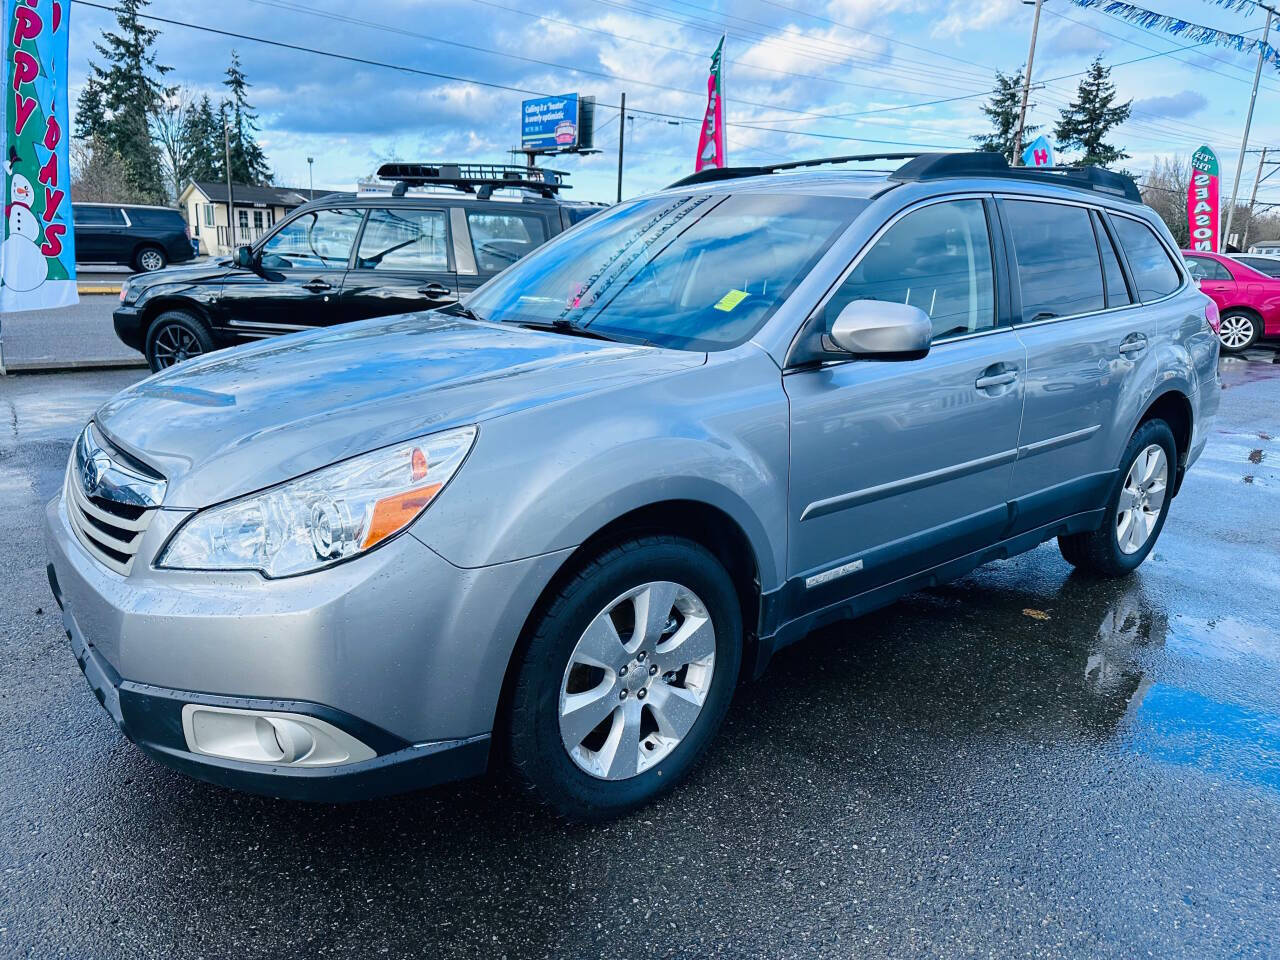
(945, 166)
(478, 178)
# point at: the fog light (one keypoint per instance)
(257, 736)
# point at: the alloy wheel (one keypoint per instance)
(173, 344)
(1142, 498)
(1236, 331)
(637, 680)
(150, 260)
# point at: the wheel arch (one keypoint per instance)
(1174, 407)
(704, 523)
(163, 303)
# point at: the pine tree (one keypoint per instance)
(1003, 109)
(202, 142)
(132, 94)
(1090, 117)
(248, 162)
(89, 119)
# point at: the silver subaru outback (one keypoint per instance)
(553, 527)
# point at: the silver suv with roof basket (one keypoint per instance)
(553, 526)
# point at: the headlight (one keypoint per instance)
(124, 292)
(326, 516)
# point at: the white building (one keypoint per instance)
(257, 209)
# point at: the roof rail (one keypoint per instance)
(478, 178)
(942, 166)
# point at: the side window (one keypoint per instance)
(1153, 270)
(317, 240)
(1059, 270)
(937, 258)
(404, 239)
(1206, 268)
(500, 239)
(98, 216)
(1112, 275)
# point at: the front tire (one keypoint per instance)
(1239, 330)
(1137, 508)
(148, 259)
(626, 677)
(175, 336)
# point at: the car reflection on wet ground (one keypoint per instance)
(1025, 762)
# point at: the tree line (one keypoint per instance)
(140, 140)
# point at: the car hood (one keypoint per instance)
(243, 419)
(202, 271)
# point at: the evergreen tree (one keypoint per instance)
(132, 94)
(1090, 117)
(1003, 109)
(248, 162)
(202, 142)
(89, 119)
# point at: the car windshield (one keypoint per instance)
(696, 272)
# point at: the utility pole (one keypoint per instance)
(1026, 86)
(231, 193)
(1248, 122)
(622, 136)
(1262, 162)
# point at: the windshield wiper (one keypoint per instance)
(458, 310)
(568, 327)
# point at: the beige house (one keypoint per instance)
(257, 210)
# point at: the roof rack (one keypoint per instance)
(943, 166)
(478, 178)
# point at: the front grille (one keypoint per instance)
(111, 520)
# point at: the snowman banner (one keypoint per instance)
(37, 256)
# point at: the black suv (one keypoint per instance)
(145, 238)
(346, 257)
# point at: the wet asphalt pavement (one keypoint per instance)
(1022, 763)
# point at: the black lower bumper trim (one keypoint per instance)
(151, 717)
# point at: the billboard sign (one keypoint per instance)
(550, 123)
(1202, 200)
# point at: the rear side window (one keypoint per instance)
(500, 239)
(1206, 268)
(1149, 262)
(1112, 274)
(404, 239)
(165, 219)
(1270, 267)
(1059, 269)
(97, 216)
(937, 258)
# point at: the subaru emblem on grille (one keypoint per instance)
(95, 468)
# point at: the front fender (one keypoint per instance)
(547, 478)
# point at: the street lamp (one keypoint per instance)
(311, 180)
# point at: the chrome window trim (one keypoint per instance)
(787, 365)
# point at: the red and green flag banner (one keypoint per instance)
(1202, 200)
(711, 151)
(37, 255)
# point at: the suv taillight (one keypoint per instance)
(1211, 314)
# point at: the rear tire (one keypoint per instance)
(149, 258)
(655, 715)
(1239, 330)
(1136, 509)
(175, 336)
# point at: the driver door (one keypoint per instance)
(298, 278)
(900, 465)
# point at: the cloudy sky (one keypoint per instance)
(803, 77)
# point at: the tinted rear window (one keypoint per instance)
(145, 217)
(1059, 272)
(97, 216)
(1149, 262)
(1270, 267)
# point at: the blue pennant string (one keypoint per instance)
(1185, 28)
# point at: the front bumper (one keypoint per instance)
(128, 323)
(399, 649)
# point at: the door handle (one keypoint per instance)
(435, 291)
(317, 286)
(996, 380)
(1135, 344)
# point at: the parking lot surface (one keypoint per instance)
(1023, 763)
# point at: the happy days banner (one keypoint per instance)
(37, 256)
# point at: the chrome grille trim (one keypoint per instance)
(112, 538)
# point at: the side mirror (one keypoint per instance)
(244, 258)
(882, 331)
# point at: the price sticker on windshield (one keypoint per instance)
(731, 300)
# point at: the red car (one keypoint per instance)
(1249, 301)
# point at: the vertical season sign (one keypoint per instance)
(37, 255)
(1202, 200)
